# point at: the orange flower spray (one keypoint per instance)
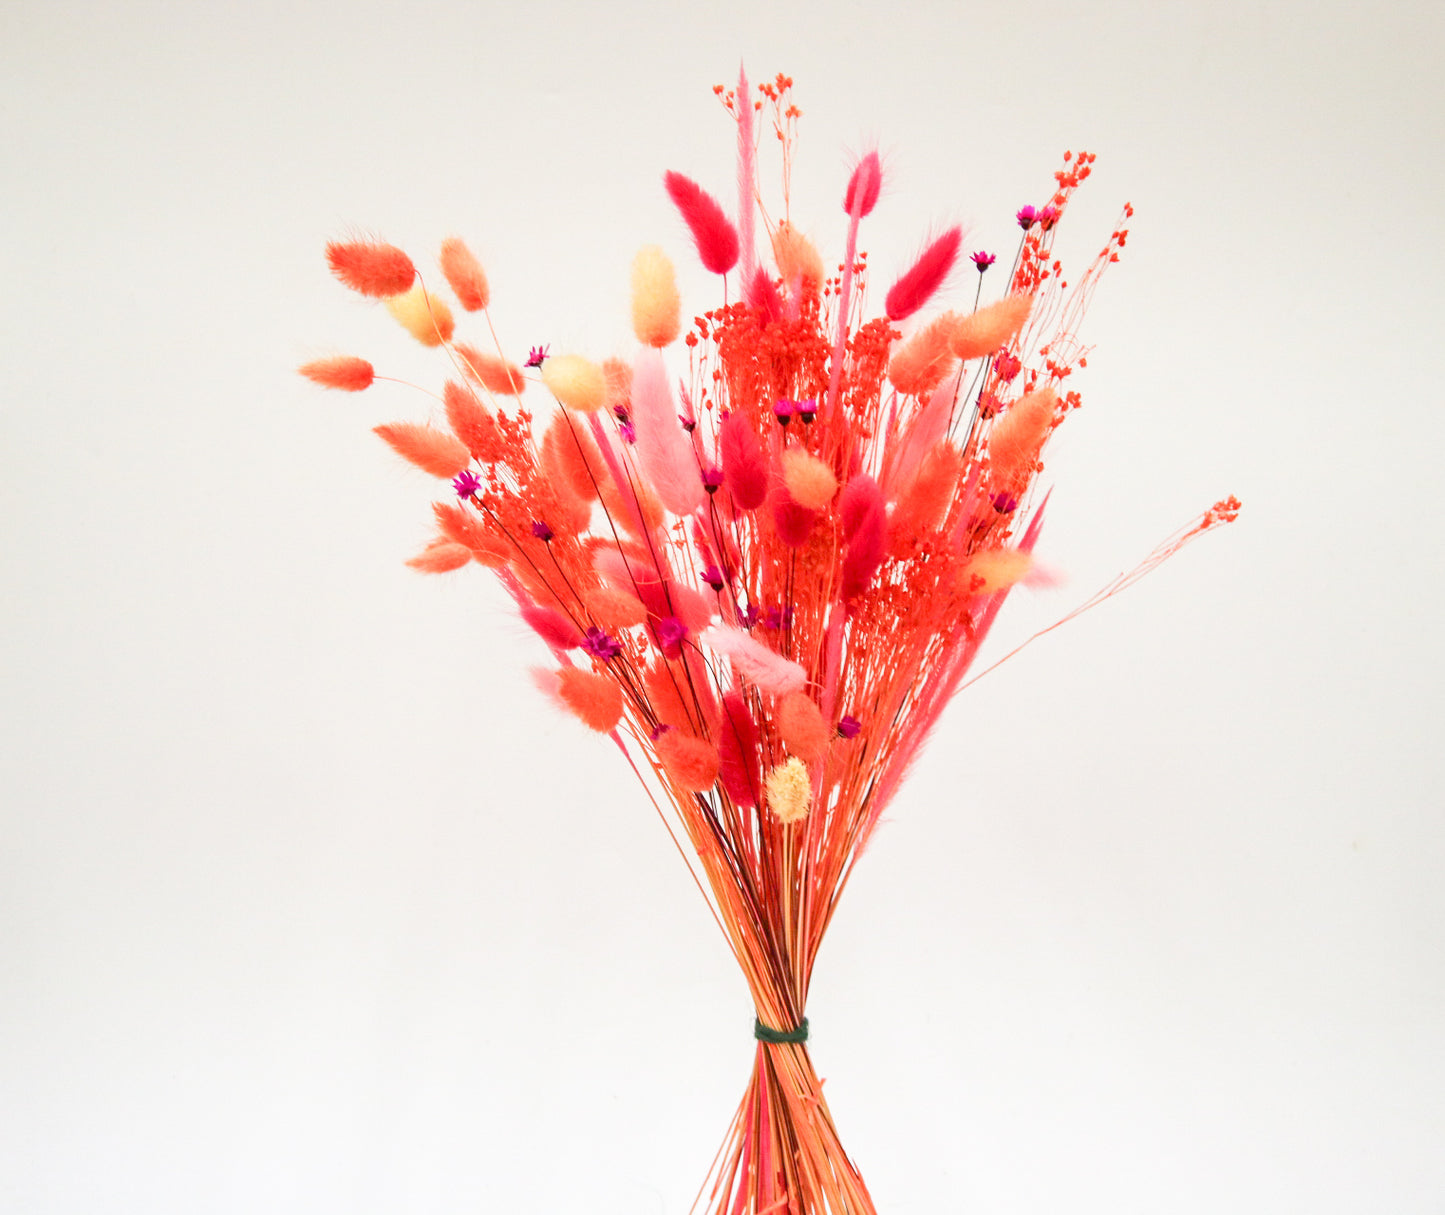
(764, 561)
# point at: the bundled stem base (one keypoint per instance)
(782, 1155)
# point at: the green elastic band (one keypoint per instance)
(775, 1036)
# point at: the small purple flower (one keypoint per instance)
(849, 726)
(466, 483)
(541, 530)
(712, 478)
(628, 432)
(659, 730)
(537, 355)
(713, 577)
(1026, 217)
(783, 410)
(670, 632)
(1005, 503)
(1048, 215)
(808, 410)
(600, 645)
(687, 423)
(750, 617)
(778, 618)
(983, 260)
(1006, 366)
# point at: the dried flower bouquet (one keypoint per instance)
(764, 573)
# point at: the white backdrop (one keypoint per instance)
(308, 903)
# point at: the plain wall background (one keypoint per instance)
(309, 903)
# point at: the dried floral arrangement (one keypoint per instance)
(763, 574)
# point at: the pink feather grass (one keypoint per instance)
(921, 281)
(712, 232)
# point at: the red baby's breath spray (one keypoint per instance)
(765, 573)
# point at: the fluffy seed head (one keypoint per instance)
(745, 471)
(1014, 441)
(921, 362)
(618, 374)
(865, 528)
(924, 504)
(577, 382)
(798, 261)
(916, 285)
(810, 481)
(788, 791)
(471, 422)
(464, 274)
(656, 305)
(690, 763)
(440, 557)
(426, 317)
(801, 724)
(570, 459)
(552, 626)
(370, 267)
(990, 327)
(761, 666)
(595, 699)
(993, 570)
(712, 231)
(614, 608)
(738, 750)
(861, 195)
(491, 371)
(345, 371)
(432, 451)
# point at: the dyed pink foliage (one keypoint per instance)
(712, 231)
(916, 286)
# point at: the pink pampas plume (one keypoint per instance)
(865, 528)
(738, 750)
(793, 521)
(747, 177)
(745, 469)
(663, 448)
(916, 285)
(551, 626)
(928, 426)
(762, 294)
(760, 666)
(864, 185)
(712, 231)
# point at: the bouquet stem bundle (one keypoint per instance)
(764, 577)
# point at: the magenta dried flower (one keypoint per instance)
(600, 645)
